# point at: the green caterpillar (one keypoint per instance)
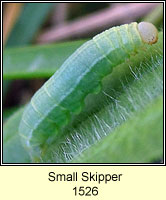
(63, 94)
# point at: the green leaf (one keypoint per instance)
(37, 61)
(28, 24)
(138, 140)
(13, 151)
(7, 113)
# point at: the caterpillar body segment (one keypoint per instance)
(63, 94)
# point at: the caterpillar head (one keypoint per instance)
(148, 32)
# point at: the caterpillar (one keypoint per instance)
(62, 96)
